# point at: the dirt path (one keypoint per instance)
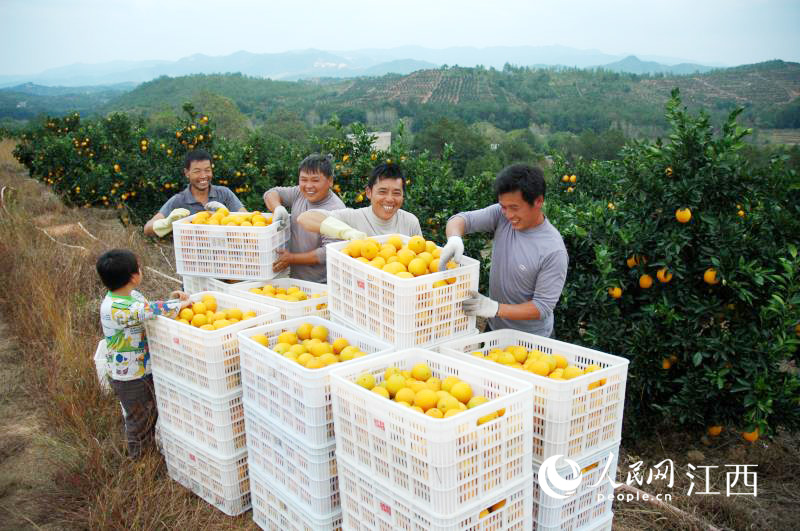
(24, 472)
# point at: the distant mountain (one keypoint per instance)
(633, 65)
(310, 64)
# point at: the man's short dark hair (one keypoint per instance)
(523, 177)
(387, 170)
(194, 156)
(317, 163)
(116, 267)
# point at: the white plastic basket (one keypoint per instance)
(101, 365)
(276, 510)
(233, 252)
(288, 394)
(589, 507)
(215, 423)
(405, 312)
(568, 418)
(309, 474)
(205, 359)
(367, 505)
(192, 284)
(221, 481)
(289, 309)
(438, 464)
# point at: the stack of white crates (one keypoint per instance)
(197, 379)
(405, 312)
(289, 424)
(401, 469)
(579, 419)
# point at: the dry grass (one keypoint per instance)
(50, 300)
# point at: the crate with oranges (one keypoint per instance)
(391, 286)
(200, 348)
(285, 371)
(294, 298)
(441, 433)
(579, 393)
(228, 245)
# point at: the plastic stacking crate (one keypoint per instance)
(309, 474)
(214, 423)
(193, 284)
(569, 417)
(220, 480)
(227, 251)
(207, 360)
(289, 309)
(443, 464)
(587, 506)
(368, 505)
(288, 394)
(406, 312)
(276, 510)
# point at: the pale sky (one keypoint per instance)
(39, 34)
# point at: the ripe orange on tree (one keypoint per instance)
(710, 276)
(750, 436)
(683, 215)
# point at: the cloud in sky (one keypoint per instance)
(40, 34)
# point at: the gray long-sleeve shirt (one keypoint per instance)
(527, 266)
(303, 241)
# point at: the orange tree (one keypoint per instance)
(683, 258)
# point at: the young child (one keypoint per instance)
(122, 315)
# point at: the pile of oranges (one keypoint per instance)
(290, 294)
(553, 366)
(419, 390)
(416, 258)
(205, 315)
(308, 346)
(238, 219)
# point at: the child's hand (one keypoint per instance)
(177, 294)
(182, 296)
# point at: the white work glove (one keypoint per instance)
(339, 230)
(213, 206)
(453, 250)
(480, 305)
(162, 227)
(280, 216)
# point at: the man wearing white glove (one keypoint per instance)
(306, 251)
(529, 259)
(199, 195)
(385, 191)
(163, 226)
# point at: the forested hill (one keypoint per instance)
(564, 99)
(555, 99)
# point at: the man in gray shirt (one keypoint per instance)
(199, 195)
(386, 191)
(306, 253)
(529, 259)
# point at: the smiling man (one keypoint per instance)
(199, 195)
(306, 253)
(385, 191)
(529, 259)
